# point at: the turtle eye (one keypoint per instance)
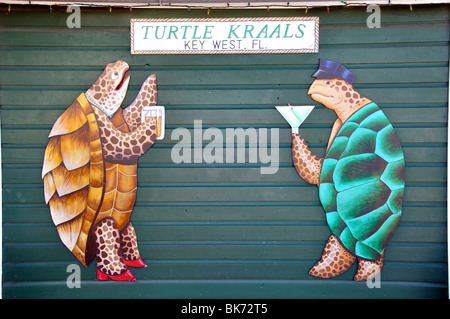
(114, 75)
(327, 82)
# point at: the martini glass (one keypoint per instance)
(295, 115)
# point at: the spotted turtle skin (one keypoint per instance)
(362, 183)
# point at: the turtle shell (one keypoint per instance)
(73, 174)
(362, 183)
(76, 178)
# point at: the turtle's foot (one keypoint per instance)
(335, 260)
(367, 269)
(126, 276)
(139, 263)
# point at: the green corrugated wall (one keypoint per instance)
(225, 230)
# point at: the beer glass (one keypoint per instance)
(159, 113)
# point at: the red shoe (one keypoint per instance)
(139, 263)
(126, 276)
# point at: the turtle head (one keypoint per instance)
(329, 92)
(333, 88)
(337, 95)
(110, 88)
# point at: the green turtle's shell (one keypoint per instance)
(362, 182)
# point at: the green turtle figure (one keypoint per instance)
(361, 177)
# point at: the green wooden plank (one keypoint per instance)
(226, 289)
(205, 96)
(234, 118)
(120, 18)
(315, 136)
(120, 37)
(237, 175)
(201, 253)
(83, 57)
(289, 75)
(34, 194)
(233, 232)
(241, 269)
(210, 194)
(24, 154)
(226, 212)
(206, 233)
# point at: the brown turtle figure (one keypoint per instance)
(90, 172)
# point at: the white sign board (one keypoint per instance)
(225, 36)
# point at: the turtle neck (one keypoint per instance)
(344, 112)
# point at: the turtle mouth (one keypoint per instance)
(313, 95)
(124, 79)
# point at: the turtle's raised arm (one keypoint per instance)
(147, 96)
(123, 146)
(307, 165)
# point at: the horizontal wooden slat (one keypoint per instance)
(213, 193)
(314, 136)
(228, 233)
(65, 37)
(116, 18)
(226, 175)
(206, 97)
(230, 289)
(76, 57)
(234, 118)
(287, 75)
(24, 154)
(230, 269)
(204, 213)
(244, 252)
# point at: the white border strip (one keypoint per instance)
(448, 190)
(1, 214)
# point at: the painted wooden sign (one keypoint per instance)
(225, 36)
(90, 171)
(361, 178)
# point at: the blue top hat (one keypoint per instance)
(332, 70)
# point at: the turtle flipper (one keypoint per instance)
(335, 260)
(307, 165)
(147, 96)
(368, 268)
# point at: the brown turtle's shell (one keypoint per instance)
(79, 186)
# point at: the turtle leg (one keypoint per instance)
(130, 250)
(109, 256)
(368, 268)
(335, 260)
